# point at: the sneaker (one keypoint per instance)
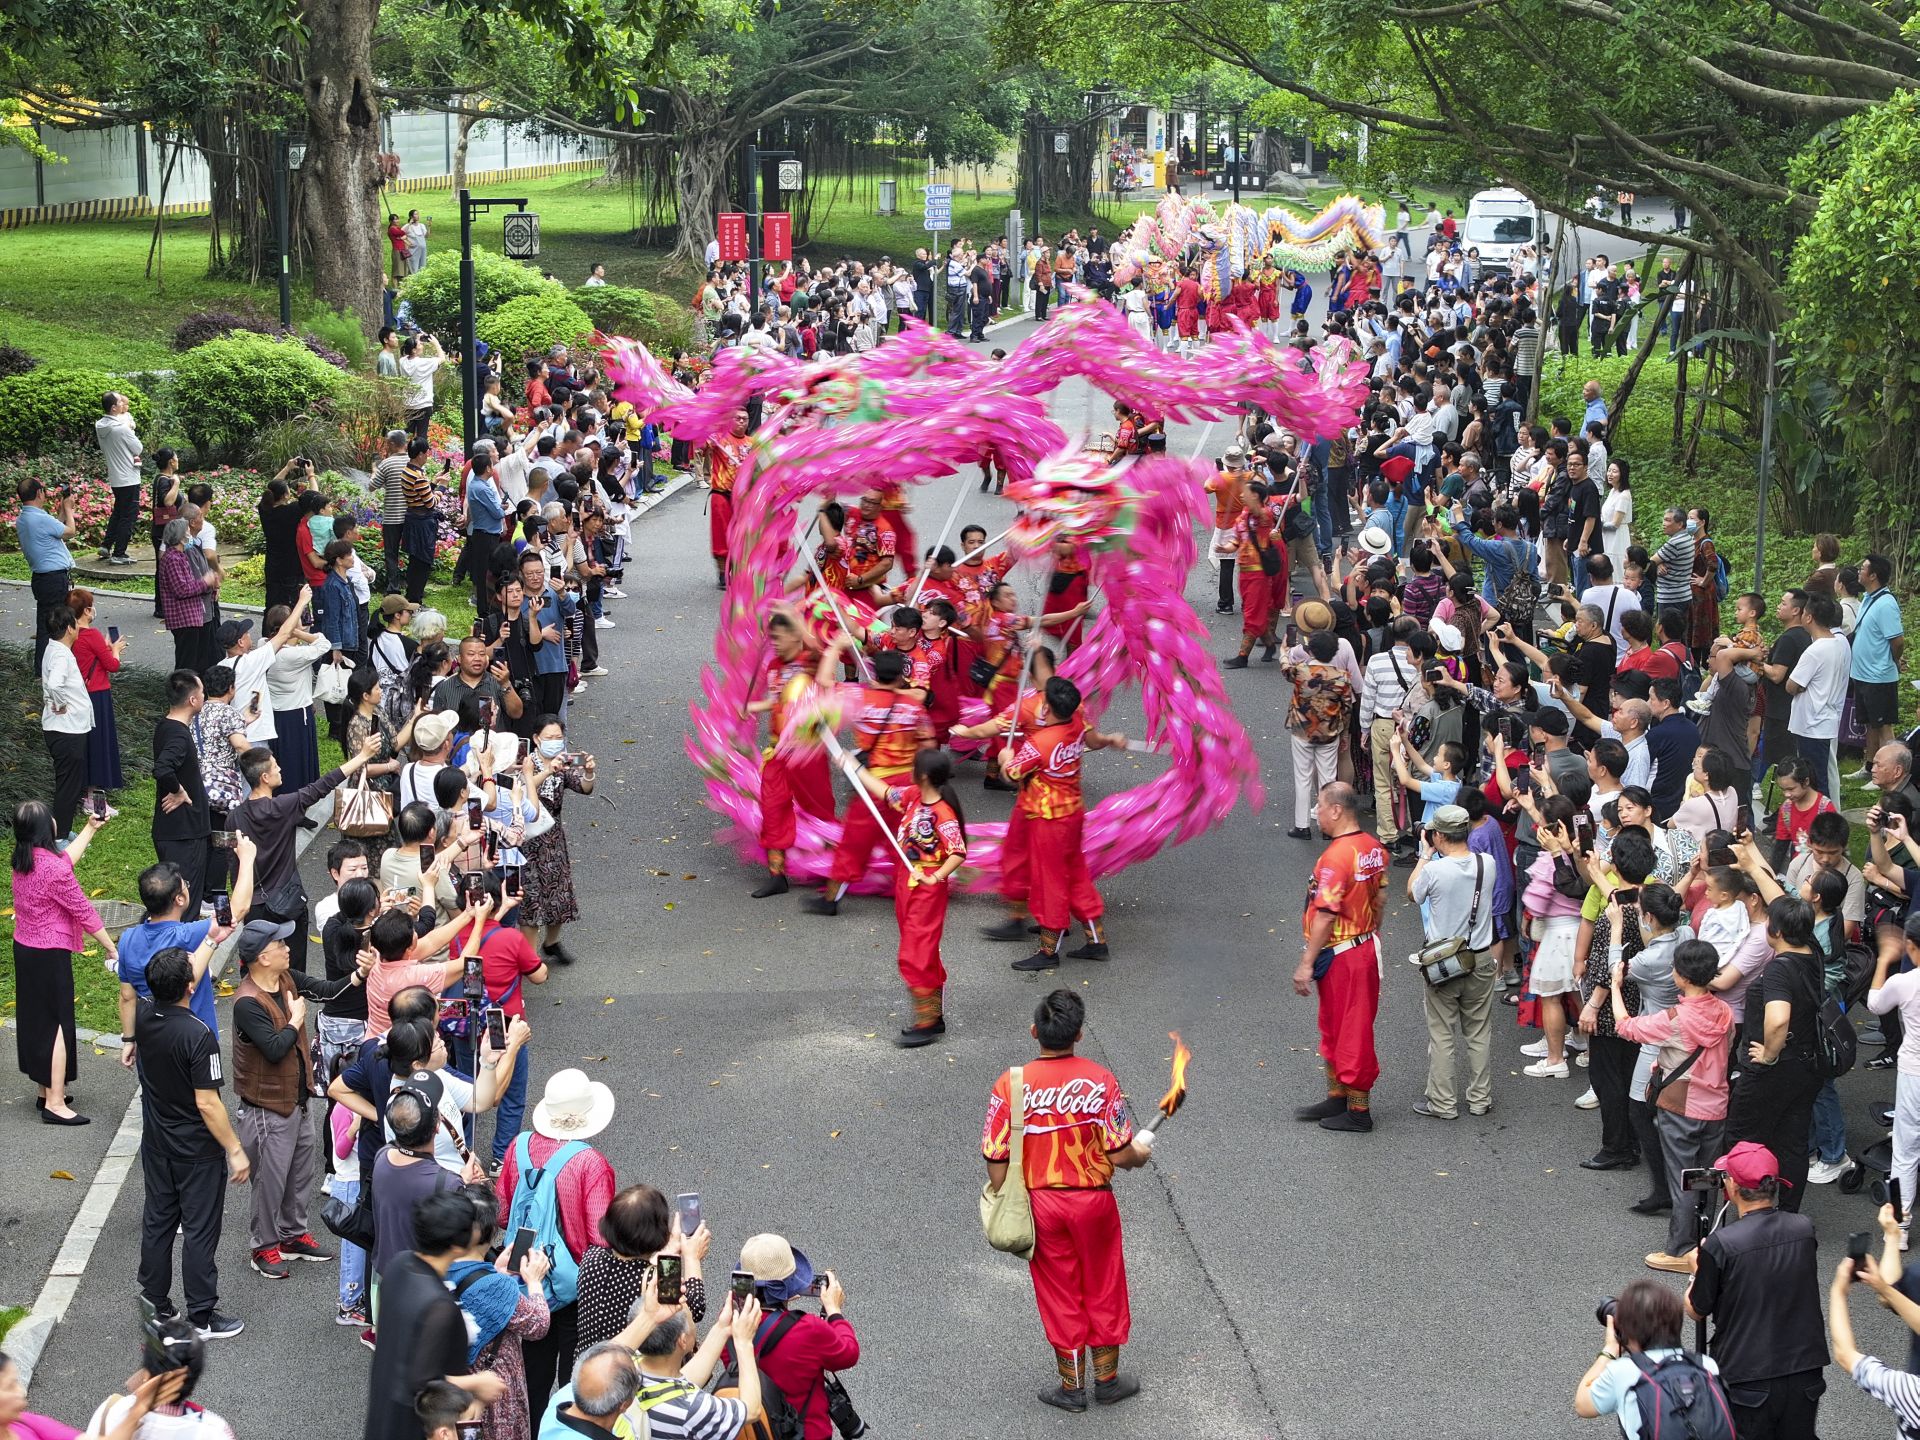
(1581, 1059)
(1546, 1070)
(594, 673)
(302, 1247)
(1536, 1051)
(1672, 1264)
(367, 1337)
(613, 592)
(1039, 960)
(355, 1315)
(120, 560)
(1825, 1172)
(1349, 1122)
(603, 623)
(1700, 705)
(217, 1327)
(1423, 1107)
(1858, 777)
(268, 1262)
(1588, 1101)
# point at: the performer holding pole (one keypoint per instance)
(1023, 716)
(1059, 888)
(1342, 957)
(891, 730)
(725, 455)
(785, 782)
(1075, 1132)
(932, 840)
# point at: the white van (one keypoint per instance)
(1498, 223)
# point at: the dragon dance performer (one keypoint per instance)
(1186, 310)
(1160, 306)
(725, 456)
(893, 516)
(1023, 717)
(1067, 591)
(1266, 283)
(1075, 1132)
(1003, 644)
(1262, 557)
(933, 834)
(786, 782)
(1059, 888)
(891, 729)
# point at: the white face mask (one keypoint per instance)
(552, 748)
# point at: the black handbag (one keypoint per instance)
(982, 671)
(351, 1221)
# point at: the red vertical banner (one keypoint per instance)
(776, 236)
(733, 237)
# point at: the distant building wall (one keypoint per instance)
(114, 174)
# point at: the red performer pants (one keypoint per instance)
(719, 521)
(1058, 886)
(1256, 603)
(1079, 1269)
(785, 783)
(1015, 861)
(1279, 586)
(921, 911)
(1186, 324)
(858, 835)
(1349, 1001)
(905, 547)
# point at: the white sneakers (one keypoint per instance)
(603, 623)
(1822, 1173)
(1588, 1101)
(1536, 1051)
(1546, 1070)
(589, 674)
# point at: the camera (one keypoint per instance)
(1603, 1312)
(1704, 1182)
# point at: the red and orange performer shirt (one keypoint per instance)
(892, 728)
(1048, 759)
(976, 580)
(948, 590)
(1075, 1115)
(725, 455)
(919, 661)
(781, 688)
(929, 834)
(1346, 884)
(866, 543)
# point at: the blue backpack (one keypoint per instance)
(536, 1207)
(1722, 576)
(1680, 1399)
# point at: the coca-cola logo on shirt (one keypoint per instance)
(1079, 1096)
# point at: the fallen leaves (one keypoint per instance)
(60, 1175)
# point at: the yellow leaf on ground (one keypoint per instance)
(607, 1001)
(60, 1175)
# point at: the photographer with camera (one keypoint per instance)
(1454, 890)
(1898, 1390)
(1756, 1278)
(1643, 1366)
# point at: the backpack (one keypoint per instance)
(536, 1207)
(1689, 672)
(1835, 1046)
(1521, 598)
(1722, 576)
(779, 1419)
(1680, 1399)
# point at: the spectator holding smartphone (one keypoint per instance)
(1898, 1390)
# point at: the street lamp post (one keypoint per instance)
(469, 362)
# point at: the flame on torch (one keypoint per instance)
(1177, 1091)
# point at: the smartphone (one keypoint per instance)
(113, 634)
(97, 805)
(1859, 1246)
(476, 887)
(475, 976)
(426, 856)
(1432, 674)
(222, 839)
(486, 714)
(491, 846)
(479, 631)
(688, 1206)
(819, 1285)
(510, 882)
(457, 1007)
(470, 1429)
(666, 1273)
(522, 1243)
(742, 1287)
(1522, 782)
(1293, 634)
(253, 705)
(222, 910)
(496, 1028)
(1893, 1199)
(474, 812)
(526, 749)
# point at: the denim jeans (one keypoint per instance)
(1322, 515)
(513, 1107)
(1818, 753)
(1829, 1126)
(1579, 559)
(353, 1260)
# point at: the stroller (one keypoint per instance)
(1870, 1167)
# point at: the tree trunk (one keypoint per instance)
(1653, 327)
(700, 175)
(626, 163)
(342, 171)
(463, 131)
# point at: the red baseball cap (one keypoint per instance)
(1750, 1165)
(1396, 468)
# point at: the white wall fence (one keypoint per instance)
(111, 174)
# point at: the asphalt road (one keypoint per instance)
(1433, 1278)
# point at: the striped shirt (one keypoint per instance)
(393, 504)
(1390, 675)
(416, 491)
(677, 1410)
(1895, 1389)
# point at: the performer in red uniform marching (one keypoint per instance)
(1014, 871)
(891, 728)
(933, 833)
(785, 782)
(939, 649)
(1059, 888)
(725, 455)
(1075, 1132)
(1342, 957)
(1186, 311)
(1262, 560)
(893, 516)
(1067, 590)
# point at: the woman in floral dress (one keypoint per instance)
(546, 881)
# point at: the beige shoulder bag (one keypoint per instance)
(1006, 1214)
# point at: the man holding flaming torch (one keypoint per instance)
(1076, 1131)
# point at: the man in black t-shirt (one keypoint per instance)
(1758, 1282)
(980, 288)
(185, 1132)
(181, 827)
(423, 1336)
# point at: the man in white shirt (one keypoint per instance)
(1818, 685)
(1614, 601)
(121, 446)
(250, 664)
(417, 365)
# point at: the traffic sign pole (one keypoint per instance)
(937, 216)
